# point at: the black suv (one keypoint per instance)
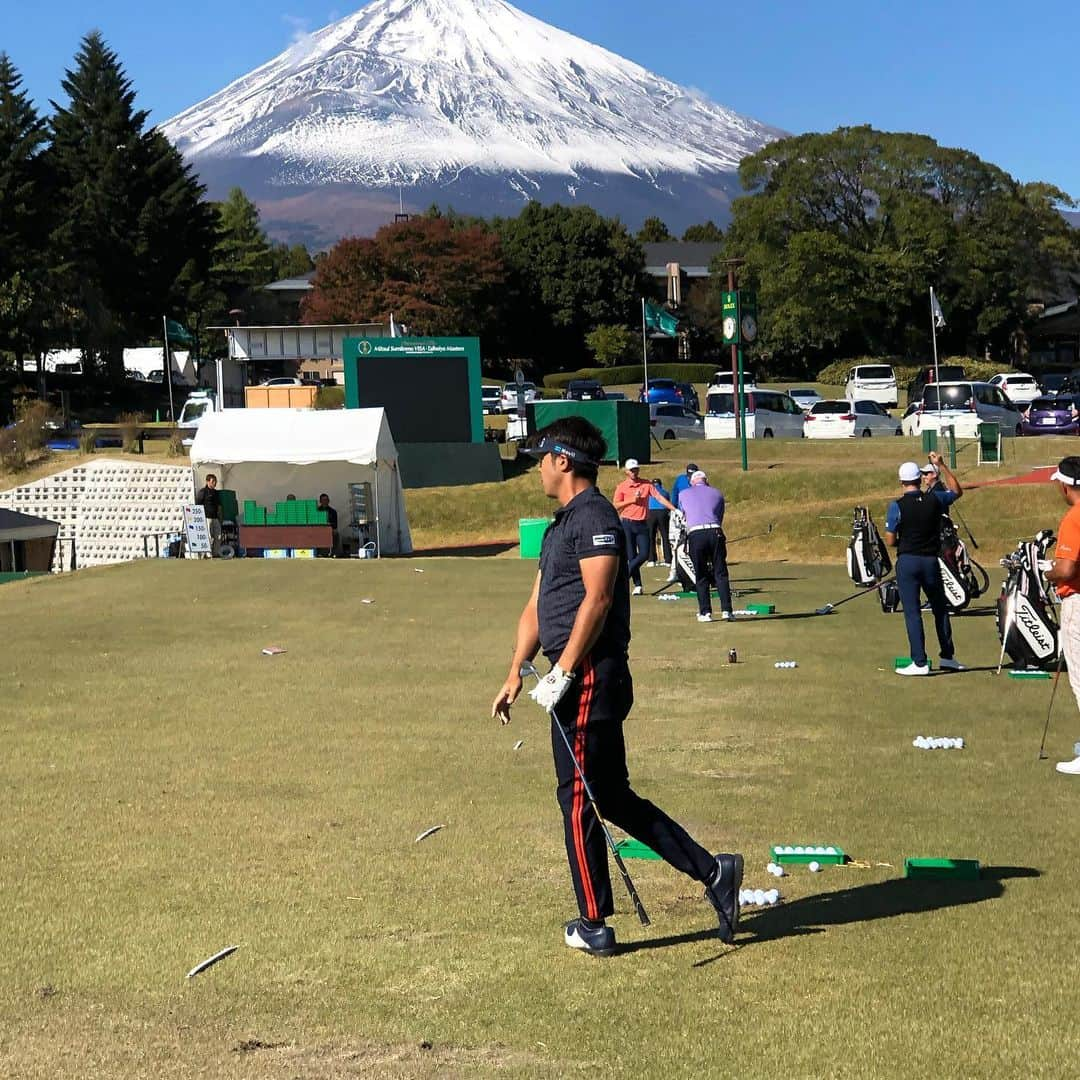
(584, 390)
(925, 377)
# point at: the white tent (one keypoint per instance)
(266, 454)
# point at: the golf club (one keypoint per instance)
(866, 591)
(971, 536)
(528, 669)
(1046, 727)
(753, 536)
(1006, 627)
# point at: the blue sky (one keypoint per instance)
(997, 78)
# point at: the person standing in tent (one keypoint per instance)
(209, 498)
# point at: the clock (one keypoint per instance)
(749, 327)
(729, 328)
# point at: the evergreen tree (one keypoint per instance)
(132, 236)
(23, 219)
(653, 231)
(708, 233)
(244, 261)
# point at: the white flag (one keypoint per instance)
(393, 328)
(935, 310)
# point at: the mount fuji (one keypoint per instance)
(467, 103)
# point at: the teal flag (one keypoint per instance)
(657, 318)
(178, 335)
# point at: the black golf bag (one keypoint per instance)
(867, 557)
(889, 595)
(1026, 620)
(962, 578)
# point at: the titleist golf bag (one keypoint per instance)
(680, 551)
(1026, 621)
(962, 578)
(867, 558)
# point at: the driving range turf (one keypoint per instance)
(167, 791)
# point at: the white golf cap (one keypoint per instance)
(698, 477)
(909, 472)
(630, 464)
(928, 468)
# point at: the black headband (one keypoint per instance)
(548, 445)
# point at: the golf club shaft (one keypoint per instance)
(971, 535)
(1053, 693)
(1005, 630)
(867, 591)
(639, 907)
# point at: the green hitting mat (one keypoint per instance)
(635, 849)
(808, 853)
(942, 869)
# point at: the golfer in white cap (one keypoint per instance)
(631, 500)
(913, 527)
(1064, 573)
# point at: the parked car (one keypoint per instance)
(1020, 388)
(833, 419)
(509, 399)
(689, 395)
(134, 374)
(676, 422)
(872, 382)
(661, 392)
(584, 390)
(769, 414)
(964, 405)
(491, 400)
(722, 380)
(283, 380)
(1053, 383)
(925, 376)
(806, 396)
(1057, 415)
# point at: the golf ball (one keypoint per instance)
(759, 896)
(772, 896)
(799, 850)
(814, 867)
(830, 850)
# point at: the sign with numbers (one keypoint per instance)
(197, 530)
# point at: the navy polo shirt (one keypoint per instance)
(587, 526)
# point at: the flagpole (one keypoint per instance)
(933, 332)
(168, 367)
(644, 351)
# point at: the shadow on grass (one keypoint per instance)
(860, 903)
(465, 550)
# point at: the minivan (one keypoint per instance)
(769, 414)
(872, 382)
(964, 405)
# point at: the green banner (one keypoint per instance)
(661, 320)
(178, 335)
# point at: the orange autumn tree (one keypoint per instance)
(437, 277)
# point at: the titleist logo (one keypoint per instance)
(1033, 628)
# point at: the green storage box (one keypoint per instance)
(762, 609)
(826, 854)
(942, 869)
(531, 535)
(230, 511)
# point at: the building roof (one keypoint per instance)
(291, 284)
(693, 258)
(16, 526)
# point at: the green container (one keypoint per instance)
(321, 517)
(929, 441)
(810, 853)
(229, 509)
(762, 609)
(531, 536)
(256, 515)
(1029, 674)
(942, 869)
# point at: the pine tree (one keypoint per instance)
(131, 223)
(23, 219)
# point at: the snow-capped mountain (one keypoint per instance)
(470, 103)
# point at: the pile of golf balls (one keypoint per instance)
(785, 663)
(798, 849)
(760, 897)
(924, 742)
(775, 869)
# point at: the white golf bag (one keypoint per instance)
(867, 558)
(962, 578)
(680, 552)
(1026, 621)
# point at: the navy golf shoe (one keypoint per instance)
(594, 940)
(722, 891)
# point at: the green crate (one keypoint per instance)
(942, 869)
(254, 516)
(635, 849)
(321, 517)
(1029, 674)
(905, 661)
(810, 853)
(762, 609)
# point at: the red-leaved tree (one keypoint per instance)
(436, 277)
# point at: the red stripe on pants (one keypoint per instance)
(580, 721)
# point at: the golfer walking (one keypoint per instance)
(703, 508)
(632, 503)
(1064, 573)
(913, 527)
(579, 615)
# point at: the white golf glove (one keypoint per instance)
(549, 691)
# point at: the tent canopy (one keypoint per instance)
(266, 454)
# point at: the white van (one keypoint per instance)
(872, 382)
(769, 414)
(963, 405)
(722, 380)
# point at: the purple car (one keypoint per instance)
(1051, 416)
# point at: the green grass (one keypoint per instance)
(166, 791)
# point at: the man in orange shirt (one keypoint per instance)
(631, 500)
(1065, 574)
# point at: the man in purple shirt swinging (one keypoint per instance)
(703, 508)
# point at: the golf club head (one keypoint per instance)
(826, 610)
(1043, 755)
(528, 670)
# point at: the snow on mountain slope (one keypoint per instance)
(420, 92)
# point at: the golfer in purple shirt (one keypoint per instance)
(703, 507)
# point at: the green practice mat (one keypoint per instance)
(635, 849)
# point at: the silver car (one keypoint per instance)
(676, 422)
